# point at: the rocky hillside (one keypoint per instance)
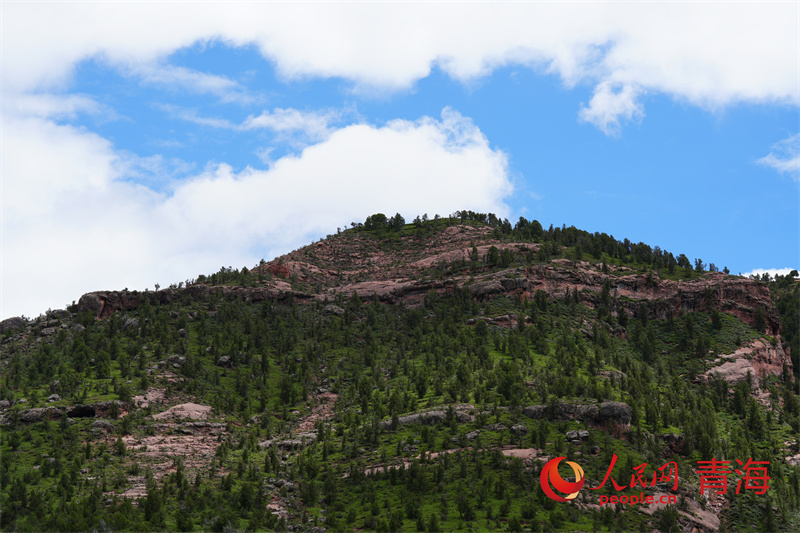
(407, 377)
(405, 269)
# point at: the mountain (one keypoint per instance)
(408, 377)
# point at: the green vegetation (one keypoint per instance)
(347, 370)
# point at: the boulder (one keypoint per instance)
(90, 302)
(333, 310)
(519, 430)
(616, 412)
(54, 398)
(16, 322)
(103, 425)
(39, 414)
(5, 404)
(225, 361)
(464, 417)
(429, 418)
(61, 314)
(176, 361)
(572, 435)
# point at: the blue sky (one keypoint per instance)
(142, 148)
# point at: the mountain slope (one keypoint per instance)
(402, 376)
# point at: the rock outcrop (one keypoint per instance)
(103, 304)
(736, 296)
(614, 412)
(13, 323)
(433, 417)
(758, 359)
(357, 264)
(190, 410)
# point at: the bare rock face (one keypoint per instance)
(300, 440)
(185, 410)
(39, 414)
(759, 359)
(563, 411)
(103, 304)
(615, 412)
(16, 322)
(432, 417)
(740, 297)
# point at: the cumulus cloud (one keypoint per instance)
(609, 108)
(785, 157)
(709, 54)
(77, 224)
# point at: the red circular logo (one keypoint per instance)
(550, 475)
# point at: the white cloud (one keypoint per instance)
(265, 155)
(289, 123)
(711, 54)
(191, 115)
(172, 77)
(785, 157)
(56, 106)
(771, 271)
(314, 125)
(608, 108)
(75, 224)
